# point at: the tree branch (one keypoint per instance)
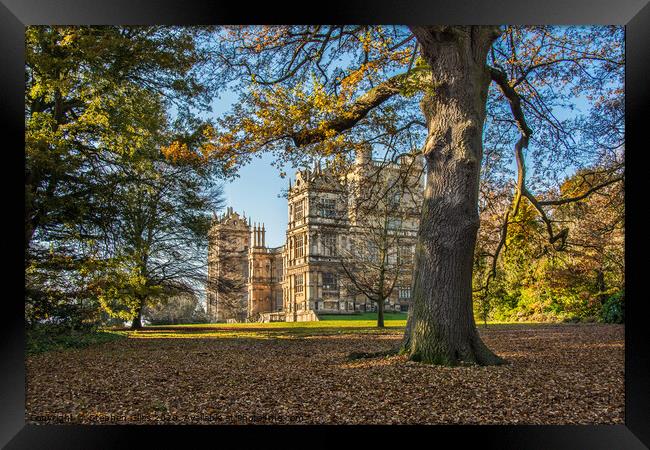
(563, 201)
(355, 113)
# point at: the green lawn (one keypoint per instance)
(365, 323)
(326, 321)
(369, 319)
(327, 325)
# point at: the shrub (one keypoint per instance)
(613, 309)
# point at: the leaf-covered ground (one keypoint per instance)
(558, 374)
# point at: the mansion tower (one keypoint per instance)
(329, 218)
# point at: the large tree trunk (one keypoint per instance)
(441, 327)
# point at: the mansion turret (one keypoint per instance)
(327, 217)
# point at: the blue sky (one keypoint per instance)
(259, 188)
(257, 192)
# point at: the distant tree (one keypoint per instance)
(155, 245)
(56, 290)
(535, 279)
(523, 248)
(184, 308)
(593, 264)
(375, 262)
(379, 253)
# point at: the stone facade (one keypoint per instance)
(296, 281)
(228, 268)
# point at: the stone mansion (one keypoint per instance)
(248, 281)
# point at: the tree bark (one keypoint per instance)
(137, 320)
(380, 313)
(600, 285)
(441, 327)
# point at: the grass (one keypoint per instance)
(327, 325)
(45, 338)
(326, 321)
(365, 323)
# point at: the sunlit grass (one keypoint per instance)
(391, 320)
(190, 334)
(328, 325)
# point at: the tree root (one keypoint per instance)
(368, 355)
(475, 353)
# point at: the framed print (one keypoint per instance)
(355, 221)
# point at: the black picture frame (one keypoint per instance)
(634, 14)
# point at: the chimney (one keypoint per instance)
(263, 236)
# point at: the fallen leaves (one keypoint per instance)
(558, 374)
